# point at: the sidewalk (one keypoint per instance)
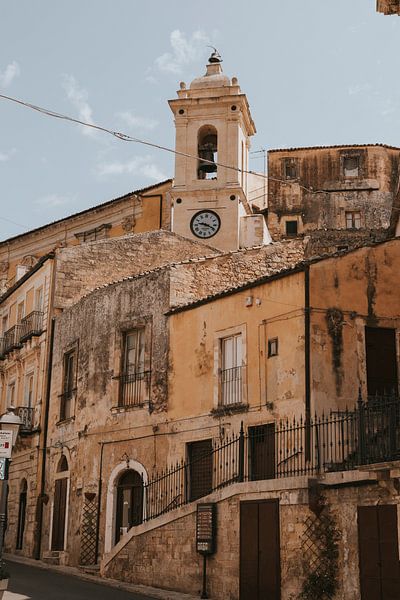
(155, 593)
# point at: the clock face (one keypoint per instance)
(205, 224)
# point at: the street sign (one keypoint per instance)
(5, 444)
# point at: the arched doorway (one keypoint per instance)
(60, 505)
(129, 505)
(21, 514)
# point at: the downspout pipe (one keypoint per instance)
(39, 520)
(307, 359)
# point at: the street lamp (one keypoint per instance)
(9, 427)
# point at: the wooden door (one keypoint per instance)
(259, 550)
(262, 452)
(380, 346)
(200, 469)
(59, 514)
(378, 552)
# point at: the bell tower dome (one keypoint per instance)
(213, 130)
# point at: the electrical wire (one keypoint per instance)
(127, 138)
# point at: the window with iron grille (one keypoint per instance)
(231, 376)
(353, 220)
(69, 384)
(290, 168)
(134, 378)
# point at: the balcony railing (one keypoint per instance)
(340, 441)
(12, 338)
(26, 414)
(231, 381)
(31, 325)
(134, 389)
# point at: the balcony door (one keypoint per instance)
(231, 370)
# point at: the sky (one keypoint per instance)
(316, 72)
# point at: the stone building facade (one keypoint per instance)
(388, 7)
(304, 348)
(339, 191)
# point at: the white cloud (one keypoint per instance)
(79, 99)
(54, 200)
(9, 74)
(142, 165)
(135, 121)
(4, 156)
(184, 51)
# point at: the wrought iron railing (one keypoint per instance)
(31, 325)
(339, 441)
(231, 382)
(134, 389)
(12, 338)
(26, 414)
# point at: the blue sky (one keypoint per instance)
(315, 72)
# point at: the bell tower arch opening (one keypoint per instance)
(207, 150)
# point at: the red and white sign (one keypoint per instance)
(5, 444)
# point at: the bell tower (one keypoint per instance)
(213, 130)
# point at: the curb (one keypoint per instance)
(150, 592)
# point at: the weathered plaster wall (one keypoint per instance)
(348, 293)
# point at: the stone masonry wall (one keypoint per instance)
(166, 557)
(80, 269)
(199, 279)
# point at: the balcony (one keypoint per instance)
(26, 414)
(134, 389)
(231, 385)
(31, 325)
(12, 339)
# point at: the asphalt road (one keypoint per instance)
(32, 583)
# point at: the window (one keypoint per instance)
(353, 220)
(39, 299)
(134, 378)
(351, 166)
(231, 370)
(4, 324)
(289, 168)
(20, 311)
(207, 152)
(29, 380)
(69, 384)
(92, 235)
(291, 228)
(272, 347)
(11, 394)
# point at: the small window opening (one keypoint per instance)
(291, 228)
(272, 347)
(289, 168)
(353, 220)
(351, 166)
(207, 152)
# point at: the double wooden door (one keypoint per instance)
(259, 550)
(378, 552)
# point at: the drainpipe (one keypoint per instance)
(307, 360)
(40, 500)
(99, 503)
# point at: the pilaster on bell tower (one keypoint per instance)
(213, 130)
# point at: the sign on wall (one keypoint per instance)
(206, 528)
(6, 444)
